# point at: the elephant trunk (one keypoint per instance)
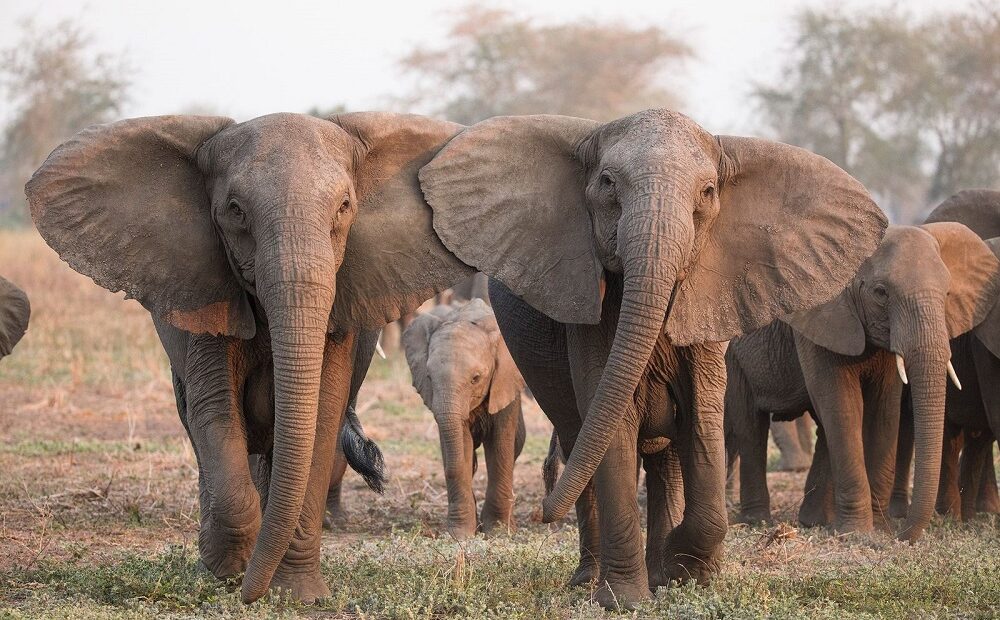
(296, 285)
(453, 426)
(653, 243)
(923, 346)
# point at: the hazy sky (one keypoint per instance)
(251, 57)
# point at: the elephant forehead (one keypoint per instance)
(281, 141)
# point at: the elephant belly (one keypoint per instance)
(771, 365)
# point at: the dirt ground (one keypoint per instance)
(98, 483)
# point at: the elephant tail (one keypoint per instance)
(362, 454)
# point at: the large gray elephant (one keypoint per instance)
(236, 236)
(14, 314)
(623, 254)
(466, 377)
(973, 413)
(844, 361)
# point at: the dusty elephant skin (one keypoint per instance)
(592, 233)
(236, 236)
(846, 361)
(14, 314)
(972, 420)
(466, 377)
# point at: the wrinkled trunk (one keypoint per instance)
(453, 426)
(296, 286)
(653, 245)
(922, 340)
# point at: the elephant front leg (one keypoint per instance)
(949, 497)
(502, 447)
(664, 507)
(899, 503)
(299, 571)
(693, 548)
(976, 457)
(334, 514)
(881, 434)
(817, 501)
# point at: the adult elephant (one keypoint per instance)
(14, 313)
(237, 234)
(973, 414)
(623, 254)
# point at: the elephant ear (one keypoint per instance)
(416, 344)
(979, 209)
(974, 269)
(126, 204)
(508, 199)
(988, 331)
(791, 231)
(393, 261)
(14, 313)
(835, 325)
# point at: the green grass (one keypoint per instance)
(60, 447)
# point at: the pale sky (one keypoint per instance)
(251, 57)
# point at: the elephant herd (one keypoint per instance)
(622, 258)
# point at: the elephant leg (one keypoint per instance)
(977, 451)
(899, 503)
(793, 456)
(748, 438)
(989, 499)
(949, 498)
(230, 504)
(501, 448)
(664, 507)
(817, 501)
(334, 514)
(298, 572)
(693, 548)
(881, 435)
(806, 429)
(835, 390)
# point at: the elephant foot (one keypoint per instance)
(853, 525)
(899, 505)
(949, 505)
(498, 522)
(754, 517)
(464, 531)
(621, 595)
(684, 567)
(334, 517)
(585, 573)
(223, 554)
(813, 514)
(306, 588)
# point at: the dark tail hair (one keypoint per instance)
(362, 454)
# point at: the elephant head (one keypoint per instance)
(192, 215)
(461, 368)
(713, 236)
(923, 286)
(14, 313)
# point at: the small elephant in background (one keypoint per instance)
(14, 313)
(466, 377)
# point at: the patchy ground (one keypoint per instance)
(98, 508)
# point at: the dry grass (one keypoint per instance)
(98, 508)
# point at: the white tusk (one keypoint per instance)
(901, 369)
(378, 346)
(953, 376)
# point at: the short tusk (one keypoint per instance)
(378, 346)
(953, 376)
(901, 369)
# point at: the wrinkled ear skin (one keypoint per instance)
(393, 261)
(988, 331)
(979, 209)
(416, 343)
(14, 313)
(791, 232)
(507, 382)
(126, 204)
(835, 325)
(508, 199)
(975, 275)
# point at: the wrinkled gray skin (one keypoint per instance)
(466, 377)
(623, 253)
(922, 286)
(237, 234)
(795, 442)
(973, 413)
(14, 313)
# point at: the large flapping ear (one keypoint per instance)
(834, 325)
(988, 330)
(416, 345)
(975, 275)
(506, 381)
(791, 232)
(393, 260)
(14, 313)
(126, 204)
(508, 199)
(979, 209)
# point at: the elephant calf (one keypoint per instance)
(14, 313)
(465, 375)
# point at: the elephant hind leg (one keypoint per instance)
(664, 507)
(989, 499)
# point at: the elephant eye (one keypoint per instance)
(345, 206)
(880, 291)
(475, 378)
(236, 210)
(607, 182)
(708, 192)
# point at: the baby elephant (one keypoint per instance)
(464, 373)
(14, 313)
